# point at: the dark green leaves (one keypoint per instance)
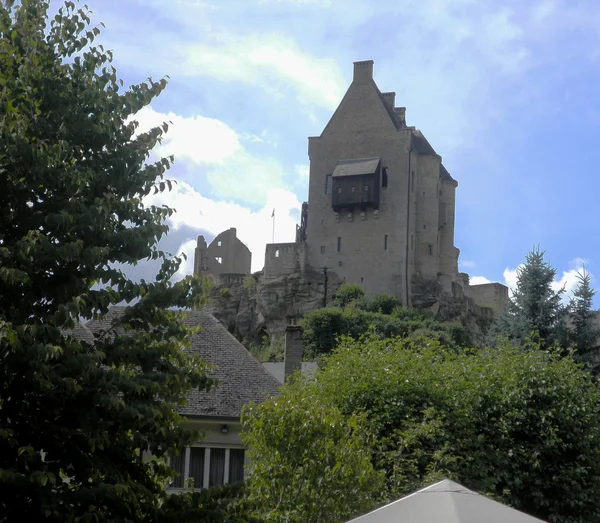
(81, 413)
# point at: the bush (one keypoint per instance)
(523, 427)
(347, 294)
(323, 327)
(382, 303)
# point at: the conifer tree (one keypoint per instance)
(584, 331)
(535, 307)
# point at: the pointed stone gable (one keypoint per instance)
(363, 108)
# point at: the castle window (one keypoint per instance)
(219, 243)
(218, 259)
(366, 188)
(385, 242)
(353, 189)
(277, 253)
(430, 250)
(384, 177)
(339, 245)
(340, 190)
(328, 183)
(322, 249)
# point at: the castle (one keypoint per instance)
(380, 210)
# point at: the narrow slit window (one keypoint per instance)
(430, 249)
(385, 242)
(328, 183)
(384, 177)
(322, 249)
(277, 253)
(339, 244)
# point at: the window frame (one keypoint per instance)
(206, 472)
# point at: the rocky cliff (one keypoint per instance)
(253, 306)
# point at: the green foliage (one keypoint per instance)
(307, 462)
(221, 504)
(522, 426)
(249, 282)
(584, 331)
(272, 348)
(535, 307)
(324, 326)
(76, 418)
(348, 293)
(382, 303)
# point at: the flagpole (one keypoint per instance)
(273, 216)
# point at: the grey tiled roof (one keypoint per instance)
(420, 144)
(356, 166)
(81, 332)
(445, 175)
(241, 378)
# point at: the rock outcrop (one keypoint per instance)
(252, 306)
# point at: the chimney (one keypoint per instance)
(363, 72)
(400, 113)
(293, 350)
(390, 99)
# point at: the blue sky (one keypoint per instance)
(508, 92)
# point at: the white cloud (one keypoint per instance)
(272, 61)
(254, 228)
(232, 170)
(246, 177)
(200, 140)
(478, 280)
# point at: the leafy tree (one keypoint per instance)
(521, 426)
(218, 504)
(584, 330)
(535, 306)
(307, 462)
(77, 417)
(348, 293)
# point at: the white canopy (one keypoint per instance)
(446, 502)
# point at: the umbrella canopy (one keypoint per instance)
(446, 502)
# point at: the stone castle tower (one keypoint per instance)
(381, 203)
(380, 213)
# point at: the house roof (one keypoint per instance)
(80, 332)
(241, 378)
(446, 502)
(356, 166)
